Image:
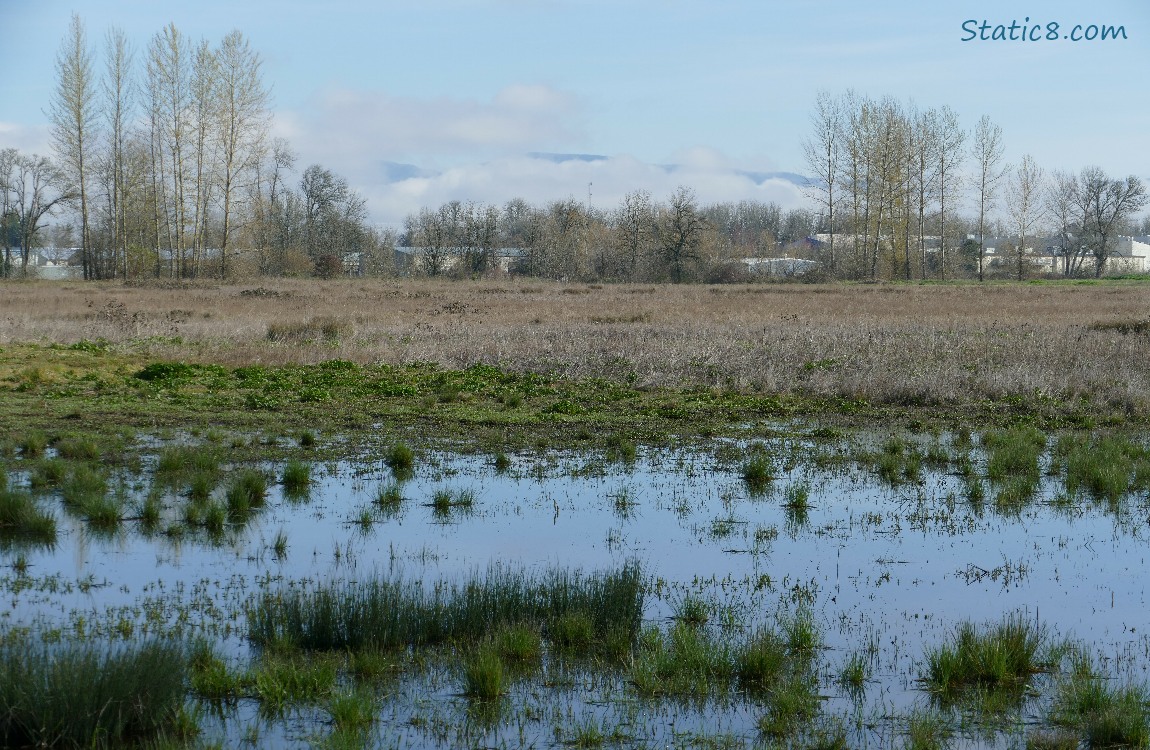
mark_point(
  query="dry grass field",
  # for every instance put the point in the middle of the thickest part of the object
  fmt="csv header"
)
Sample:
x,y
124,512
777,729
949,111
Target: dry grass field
x,y
886,343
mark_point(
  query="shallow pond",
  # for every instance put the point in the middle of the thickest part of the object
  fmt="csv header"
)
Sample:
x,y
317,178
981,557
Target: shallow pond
x,y
887,570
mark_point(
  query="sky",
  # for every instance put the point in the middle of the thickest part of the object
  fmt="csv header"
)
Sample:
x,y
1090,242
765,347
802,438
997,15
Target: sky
x,y
418,102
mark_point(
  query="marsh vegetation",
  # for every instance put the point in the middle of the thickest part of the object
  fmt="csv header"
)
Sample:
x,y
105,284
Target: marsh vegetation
x,y
351,552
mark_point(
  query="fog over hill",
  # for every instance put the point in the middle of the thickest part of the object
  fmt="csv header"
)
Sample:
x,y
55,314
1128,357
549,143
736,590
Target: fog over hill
x,y
396,189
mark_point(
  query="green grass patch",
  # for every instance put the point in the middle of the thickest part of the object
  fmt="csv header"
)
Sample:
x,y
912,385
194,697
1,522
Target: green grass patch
x,y
1013,452
392,613
22,519
1000,657
483,675
89,695
296,477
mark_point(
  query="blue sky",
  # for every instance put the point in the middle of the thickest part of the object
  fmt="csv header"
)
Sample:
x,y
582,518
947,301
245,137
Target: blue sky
x,y
467,90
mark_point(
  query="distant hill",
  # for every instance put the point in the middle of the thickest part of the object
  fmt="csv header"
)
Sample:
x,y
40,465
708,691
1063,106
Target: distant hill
x,y
398,172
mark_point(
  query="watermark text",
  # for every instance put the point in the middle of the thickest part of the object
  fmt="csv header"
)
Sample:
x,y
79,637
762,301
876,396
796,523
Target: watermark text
x,y
975,30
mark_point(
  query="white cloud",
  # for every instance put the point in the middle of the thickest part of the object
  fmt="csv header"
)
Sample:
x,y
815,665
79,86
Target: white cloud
x,y
474,150
343,128
30,140
540,180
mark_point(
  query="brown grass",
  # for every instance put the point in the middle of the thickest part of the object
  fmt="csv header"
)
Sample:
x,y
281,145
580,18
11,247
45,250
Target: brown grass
x,y
895,343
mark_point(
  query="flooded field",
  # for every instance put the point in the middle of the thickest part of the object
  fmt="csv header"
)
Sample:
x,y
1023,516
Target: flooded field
x,y
827,590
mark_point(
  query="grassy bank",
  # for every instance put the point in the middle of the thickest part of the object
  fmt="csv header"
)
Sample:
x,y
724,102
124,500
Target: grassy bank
x,y
536,358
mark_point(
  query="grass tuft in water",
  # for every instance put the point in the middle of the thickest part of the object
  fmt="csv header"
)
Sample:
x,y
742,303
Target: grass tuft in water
x,y
395,613
401,460
483,676
77,448
49,472
352,710
22,518
999,657
1013,452
518,644
296,477
686,661
927,729
247,490
89,696
1107,715
792,705
758,473
32,445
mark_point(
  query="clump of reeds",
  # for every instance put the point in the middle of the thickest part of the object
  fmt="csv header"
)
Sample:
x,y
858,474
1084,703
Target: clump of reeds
x,y
382,613
1000,657
352,710
685,661
32,445
247,490
322,328
898,461
89,696
49,472
927,729
1108,715
77,448
1013,452
21,516
619,448
296,477
401,460
758,473
1107,467
518,644
483,675
82,484
176,463
444,501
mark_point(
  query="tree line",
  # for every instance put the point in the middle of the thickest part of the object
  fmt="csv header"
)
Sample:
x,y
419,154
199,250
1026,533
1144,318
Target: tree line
x,y
164,159
890,180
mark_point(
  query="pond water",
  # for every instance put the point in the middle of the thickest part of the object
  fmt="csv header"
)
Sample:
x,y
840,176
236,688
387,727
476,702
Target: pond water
x,y
890,570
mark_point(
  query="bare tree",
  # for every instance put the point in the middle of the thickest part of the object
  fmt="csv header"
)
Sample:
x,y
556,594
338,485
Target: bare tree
x,y
170,103
8,221
119,108
74,115
37,189
632,234
428,235
204,128
987,153
244,122
679,230
823,153
950,139
1067,213
481,228
1105,205
1023,202
924,174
